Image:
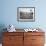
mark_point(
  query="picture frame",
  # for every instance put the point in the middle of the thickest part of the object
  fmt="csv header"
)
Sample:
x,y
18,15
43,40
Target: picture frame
x,y
26,14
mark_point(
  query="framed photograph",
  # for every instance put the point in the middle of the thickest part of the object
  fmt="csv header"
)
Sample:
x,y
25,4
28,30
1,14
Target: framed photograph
x,y
26,14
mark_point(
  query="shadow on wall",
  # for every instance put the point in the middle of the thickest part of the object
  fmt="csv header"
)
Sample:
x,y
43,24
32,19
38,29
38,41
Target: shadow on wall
x,y
2,26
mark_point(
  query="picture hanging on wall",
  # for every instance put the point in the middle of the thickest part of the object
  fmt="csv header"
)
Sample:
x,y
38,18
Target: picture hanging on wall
x,y
26,14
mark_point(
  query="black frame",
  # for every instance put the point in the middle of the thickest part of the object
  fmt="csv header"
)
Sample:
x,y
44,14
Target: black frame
x,y
25,20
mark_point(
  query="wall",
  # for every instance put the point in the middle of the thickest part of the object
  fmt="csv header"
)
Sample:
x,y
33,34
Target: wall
x,y
9,13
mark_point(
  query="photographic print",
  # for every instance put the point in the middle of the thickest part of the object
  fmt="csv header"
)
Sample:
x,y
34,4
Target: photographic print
x,y
26,14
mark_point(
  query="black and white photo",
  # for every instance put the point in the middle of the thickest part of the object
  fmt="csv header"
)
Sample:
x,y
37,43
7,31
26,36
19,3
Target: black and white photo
x,y
26,14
